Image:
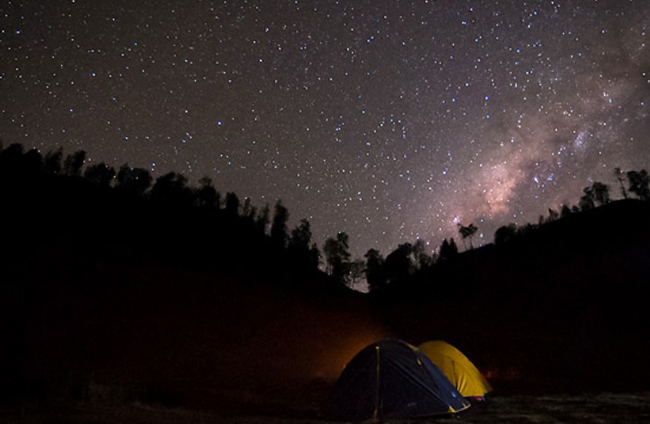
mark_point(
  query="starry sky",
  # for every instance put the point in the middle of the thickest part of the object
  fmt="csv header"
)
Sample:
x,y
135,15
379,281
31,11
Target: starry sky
x,y
389,120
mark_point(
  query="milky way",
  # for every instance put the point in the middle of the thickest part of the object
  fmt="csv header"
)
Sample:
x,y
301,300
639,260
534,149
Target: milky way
x,y
389,120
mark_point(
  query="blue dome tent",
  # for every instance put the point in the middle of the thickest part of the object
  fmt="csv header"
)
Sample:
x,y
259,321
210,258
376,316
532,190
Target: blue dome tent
x,y
393,379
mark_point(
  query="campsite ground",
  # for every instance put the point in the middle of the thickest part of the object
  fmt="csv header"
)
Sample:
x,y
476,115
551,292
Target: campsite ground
x,y
606,408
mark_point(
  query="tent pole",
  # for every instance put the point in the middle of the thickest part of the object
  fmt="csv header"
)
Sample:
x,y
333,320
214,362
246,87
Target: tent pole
x,y
375,414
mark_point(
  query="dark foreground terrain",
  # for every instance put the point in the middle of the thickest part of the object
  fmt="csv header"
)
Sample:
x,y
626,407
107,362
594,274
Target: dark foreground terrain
x,y
606,408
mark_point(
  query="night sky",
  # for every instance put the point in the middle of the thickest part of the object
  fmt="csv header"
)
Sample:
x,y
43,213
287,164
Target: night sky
x,y
389,120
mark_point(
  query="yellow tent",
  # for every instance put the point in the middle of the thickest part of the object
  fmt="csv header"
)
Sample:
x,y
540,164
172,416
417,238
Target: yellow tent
x,y
467,379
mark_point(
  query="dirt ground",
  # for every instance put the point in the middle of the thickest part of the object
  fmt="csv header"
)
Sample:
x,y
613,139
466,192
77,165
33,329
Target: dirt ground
x,y
606,408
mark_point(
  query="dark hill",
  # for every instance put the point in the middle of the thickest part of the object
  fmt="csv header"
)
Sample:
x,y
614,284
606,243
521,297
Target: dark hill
x,y
113,297
563,306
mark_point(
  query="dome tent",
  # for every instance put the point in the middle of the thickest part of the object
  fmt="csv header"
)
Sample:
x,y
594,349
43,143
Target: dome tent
x,y
393,379
462,373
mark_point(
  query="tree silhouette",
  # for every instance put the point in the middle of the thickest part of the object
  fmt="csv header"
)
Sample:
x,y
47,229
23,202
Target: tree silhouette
x,y
597,193
420,257
453,249
279,226
300,238
206,196
467,232
639,183
587,201
553,215
100,174
248,210
374,270
73,163
263,219
11,160
337,257
601,193
133,180
172,189
565,211
33,162
301,247
13,152
356,268
15,164
398,264
526,230
448,249
52,162
620,176
505,234
314,256
330,248
232,204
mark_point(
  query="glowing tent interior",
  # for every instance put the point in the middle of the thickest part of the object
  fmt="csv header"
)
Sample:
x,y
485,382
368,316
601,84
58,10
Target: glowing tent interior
x,y
460,371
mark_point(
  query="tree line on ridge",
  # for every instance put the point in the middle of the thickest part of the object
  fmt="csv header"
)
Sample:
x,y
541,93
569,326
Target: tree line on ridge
x,y
171,191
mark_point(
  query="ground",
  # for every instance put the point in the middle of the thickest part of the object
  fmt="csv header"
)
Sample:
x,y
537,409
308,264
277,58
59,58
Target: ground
x,y
605,408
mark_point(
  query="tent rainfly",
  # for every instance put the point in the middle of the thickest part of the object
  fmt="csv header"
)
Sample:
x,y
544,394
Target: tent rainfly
x,y
393,379
467,379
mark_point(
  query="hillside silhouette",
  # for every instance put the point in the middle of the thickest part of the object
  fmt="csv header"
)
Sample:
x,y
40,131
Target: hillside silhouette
x,y
112,295
116,288
562,306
